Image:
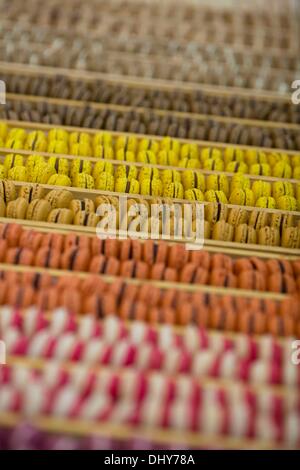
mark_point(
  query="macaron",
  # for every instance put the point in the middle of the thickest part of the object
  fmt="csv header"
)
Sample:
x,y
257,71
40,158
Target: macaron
x,y
193,274
160,272
222,278
48,299
60,216
173,190
7,191
215,211
249,264
281,326
201,258
75,259
222,231
251,322
130,310
155,252
282,283
258,219
11,233
134,269
31,239
220,261
151,187
237,216
47,258
2,207
131,249
280,265
215,196
268,236
20,296
53,240
59,198
75,240
32,192
21,256
87,219
38,209
17,209
103,265
177,256
222,319
251,280
59,180
86,205
245,234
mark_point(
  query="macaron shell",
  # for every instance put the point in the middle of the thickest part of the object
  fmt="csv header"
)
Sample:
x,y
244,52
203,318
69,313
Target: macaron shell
x,y
47,258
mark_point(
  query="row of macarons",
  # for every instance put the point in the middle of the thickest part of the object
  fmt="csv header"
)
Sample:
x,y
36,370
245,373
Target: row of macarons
x,y
137,220
198,408
125,352
165,151
111,329
143,122
144,259
147,181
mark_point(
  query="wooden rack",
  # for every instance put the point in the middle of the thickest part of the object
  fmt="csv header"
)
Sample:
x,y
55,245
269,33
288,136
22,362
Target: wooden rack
x,y
119,432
